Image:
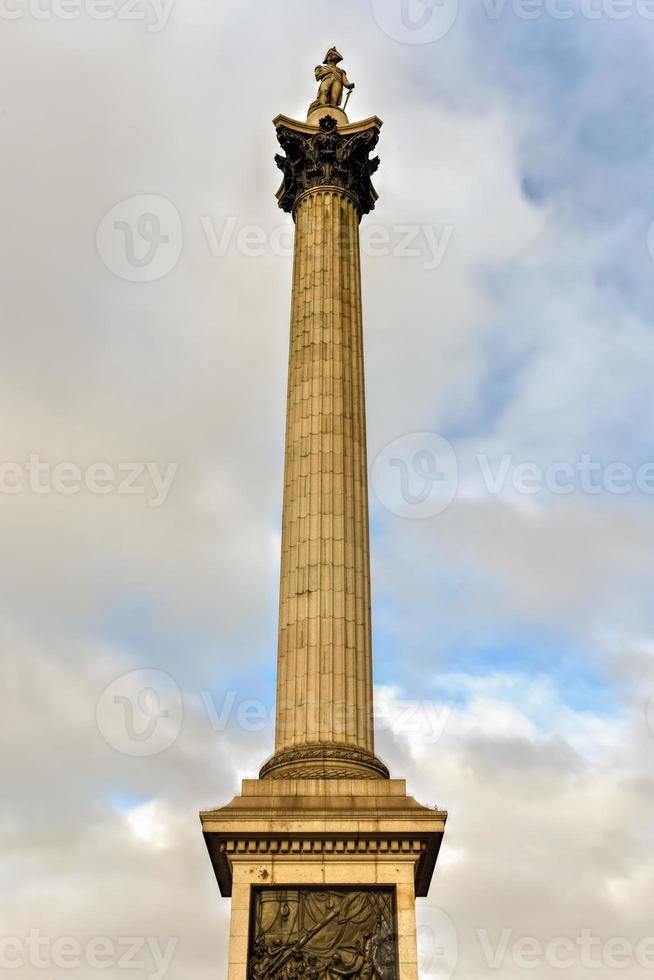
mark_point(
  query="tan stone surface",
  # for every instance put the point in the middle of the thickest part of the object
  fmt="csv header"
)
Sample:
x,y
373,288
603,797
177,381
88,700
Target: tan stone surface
x,y
324,685
249,873
315,115
360,126
325,822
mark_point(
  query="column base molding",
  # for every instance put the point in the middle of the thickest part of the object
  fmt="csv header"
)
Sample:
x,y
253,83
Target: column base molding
x,y
324,760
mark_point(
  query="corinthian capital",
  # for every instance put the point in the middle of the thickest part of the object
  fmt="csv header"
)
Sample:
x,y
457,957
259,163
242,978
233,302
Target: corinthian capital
x,y
327,155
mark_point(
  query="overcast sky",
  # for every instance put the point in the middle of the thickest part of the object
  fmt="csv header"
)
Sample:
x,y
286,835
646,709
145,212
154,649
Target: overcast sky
x,y
507,276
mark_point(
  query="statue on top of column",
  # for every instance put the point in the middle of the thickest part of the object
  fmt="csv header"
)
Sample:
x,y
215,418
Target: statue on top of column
x,y
332,81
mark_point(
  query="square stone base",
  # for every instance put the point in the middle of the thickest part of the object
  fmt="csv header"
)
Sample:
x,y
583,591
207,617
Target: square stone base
x,y
321,833
395,873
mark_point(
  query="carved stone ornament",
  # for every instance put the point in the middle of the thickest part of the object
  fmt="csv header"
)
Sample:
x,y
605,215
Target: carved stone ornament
x,y
326,760
322,934
327,158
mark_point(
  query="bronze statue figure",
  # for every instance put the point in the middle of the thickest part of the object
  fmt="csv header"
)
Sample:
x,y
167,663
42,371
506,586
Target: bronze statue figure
x,y
332,81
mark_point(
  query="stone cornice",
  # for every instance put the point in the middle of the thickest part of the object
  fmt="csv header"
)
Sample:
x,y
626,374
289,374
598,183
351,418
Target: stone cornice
x,y
333,820
226,847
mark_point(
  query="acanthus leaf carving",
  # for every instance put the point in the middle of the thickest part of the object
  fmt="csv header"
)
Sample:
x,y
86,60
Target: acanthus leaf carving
x,y
327,158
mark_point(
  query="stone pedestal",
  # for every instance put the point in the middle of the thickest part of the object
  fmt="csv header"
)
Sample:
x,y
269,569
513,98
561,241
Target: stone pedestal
x,y
331,840
317,112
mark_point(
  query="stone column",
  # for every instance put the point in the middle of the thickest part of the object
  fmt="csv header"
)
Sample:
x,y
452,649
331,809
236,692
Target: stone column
x,y
324,844
324,725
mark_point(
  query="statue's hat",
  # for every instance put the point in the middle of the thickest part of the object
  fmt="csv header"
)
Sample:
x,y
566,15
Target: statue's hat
x,y
333,55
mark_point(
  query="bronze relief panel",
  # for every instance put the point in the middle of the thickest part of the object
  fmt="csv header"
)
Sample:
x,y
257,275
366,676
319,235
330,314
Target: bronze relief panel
x,y
322,934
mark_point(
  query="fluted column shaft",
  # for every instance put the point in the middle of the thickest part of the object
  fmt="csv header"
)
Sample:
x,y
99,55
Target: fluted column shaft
x,y
324,689
324,725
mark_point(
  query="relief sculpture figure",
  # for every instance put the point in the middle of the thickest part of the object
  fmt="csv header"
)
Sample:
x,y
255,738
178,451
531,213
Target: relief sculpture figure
x,y
315,934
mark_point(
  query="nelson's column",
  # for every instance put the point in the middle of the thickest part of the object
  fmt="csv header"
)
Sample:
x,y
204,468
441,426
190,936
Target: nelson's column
x,y
323,855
